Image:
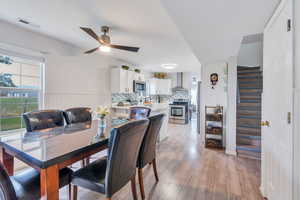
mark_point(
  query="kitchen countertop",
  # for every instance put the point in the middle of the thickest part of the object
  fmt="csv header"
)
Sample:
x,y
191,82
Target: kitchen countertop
x,y
154,107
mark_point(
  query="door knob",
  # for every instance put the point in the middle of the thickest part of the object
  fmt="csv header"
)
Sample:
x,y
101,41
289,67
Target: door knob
x,y
265,123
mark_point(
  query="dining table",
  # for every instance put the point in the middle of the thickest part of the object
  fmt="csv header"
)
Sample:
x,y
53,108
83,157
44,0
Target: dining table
x,y
52,149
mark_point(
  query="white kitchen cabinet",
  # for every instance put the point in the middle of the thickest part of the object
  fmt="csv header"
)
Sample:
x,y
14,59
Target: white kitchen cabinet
x,y
152,86
130,79
160,86
139,76
121,80
164,86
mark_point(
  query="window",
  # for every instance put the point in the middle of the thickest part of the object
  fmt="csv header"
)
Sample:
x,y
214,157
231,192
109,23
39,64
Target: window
x,y
20,90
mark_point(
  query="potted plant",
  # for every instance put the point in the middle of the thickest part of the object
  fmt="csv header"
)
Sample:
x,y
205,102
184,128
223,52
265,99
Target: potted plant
x,y
125,67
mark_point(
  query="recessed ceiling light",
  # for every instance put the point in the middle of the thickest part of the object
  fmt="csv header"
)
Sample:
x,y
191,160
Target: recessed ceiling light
x,y
169,66
104,48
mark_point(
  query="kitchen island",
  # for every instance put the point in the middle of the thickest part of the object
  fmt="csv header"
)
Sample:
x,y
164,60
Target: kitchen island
x,y
156,108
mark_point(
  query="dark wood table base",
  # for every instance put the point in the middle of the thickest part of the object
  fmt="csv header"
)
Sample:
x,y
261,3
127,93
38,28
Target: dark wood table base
x,y
49,176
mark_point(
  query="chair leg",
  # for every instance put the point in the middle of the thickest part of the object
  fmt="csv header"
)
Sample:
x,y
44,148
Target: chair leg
x,y
69,192
133,188
141,182
87,161
75,188
82,163
155,169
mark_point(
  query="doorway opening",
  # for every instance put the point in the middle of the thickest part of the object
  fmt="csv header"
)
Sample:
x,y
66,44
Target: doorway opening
x,y
249,92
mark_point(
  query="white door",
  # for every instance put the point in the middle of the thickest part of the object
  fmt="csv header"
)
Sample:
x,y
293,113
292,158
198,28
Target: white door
x,y
277,106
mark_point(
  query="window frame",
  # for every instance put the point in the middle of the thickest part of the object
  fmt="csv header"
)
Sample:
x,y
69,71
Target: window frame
x,y
41,89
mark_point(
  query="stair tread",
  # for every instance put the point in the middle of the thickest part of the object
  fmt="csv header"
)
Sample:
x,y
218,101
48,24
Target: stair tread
x,y
254,104
250,75
247,68
249,155
250,97
248,88
248,131
251,82
247,117
248,127
251,148
253,137
242,72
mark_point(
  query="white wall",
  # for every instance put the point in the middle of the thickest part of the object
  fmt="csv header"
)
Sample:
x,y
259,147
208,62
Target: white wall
x,y
251,54
209,96
78,81
187,79
231,106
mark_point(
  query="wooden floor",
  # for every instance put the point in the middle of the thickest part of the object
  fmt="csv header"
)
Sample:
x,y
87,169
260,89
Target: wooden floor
x,y
188,171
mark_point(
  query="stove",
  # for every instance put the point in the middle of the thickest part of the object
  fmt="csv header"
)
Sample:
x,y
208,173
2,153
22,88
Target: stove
x,y
179,111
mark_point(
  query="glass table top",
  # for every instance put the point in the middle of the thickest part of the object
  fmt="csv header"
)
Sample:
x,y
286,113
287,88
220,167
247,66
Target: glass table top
x,y
49,146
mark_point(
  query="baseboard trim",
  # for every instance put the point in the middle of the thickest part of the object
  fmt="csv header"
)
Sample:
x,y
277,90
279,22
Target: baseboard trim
x,y
262,191
231,152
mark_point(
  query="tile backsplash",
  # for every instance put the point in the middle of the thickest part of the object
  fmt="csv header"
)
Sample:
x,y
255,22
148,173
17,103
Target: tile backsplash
x,y
117,97
135,98
181,94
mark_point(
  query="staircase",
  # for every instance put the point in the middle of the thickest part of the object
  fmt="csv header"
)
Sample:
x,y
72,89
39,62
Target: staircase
x,y
249,112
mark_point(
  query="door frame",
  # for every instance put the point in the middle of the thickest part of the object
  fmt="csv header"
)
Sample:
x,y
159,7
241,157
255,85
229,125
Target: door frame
x,y
272,20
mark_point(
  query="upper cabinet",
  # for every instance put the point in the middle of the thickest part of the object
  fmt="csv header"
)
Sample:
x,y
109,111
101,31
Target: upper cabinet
x,y
160,86
122,80
139,76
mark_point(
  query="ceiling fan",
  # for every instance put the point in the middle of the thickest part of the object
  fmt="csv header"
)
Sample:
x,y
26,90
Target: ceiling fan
x,y
104,41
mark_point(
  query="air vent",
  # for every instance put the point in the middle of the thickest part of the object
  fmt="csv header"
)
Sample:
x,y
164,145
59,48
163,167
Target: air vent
x,y
23,21
27,22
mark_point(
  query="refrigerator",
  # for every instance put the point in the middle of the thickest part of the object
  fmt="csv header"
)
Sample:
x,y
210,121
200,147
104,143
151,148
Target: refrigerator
x,y
199,107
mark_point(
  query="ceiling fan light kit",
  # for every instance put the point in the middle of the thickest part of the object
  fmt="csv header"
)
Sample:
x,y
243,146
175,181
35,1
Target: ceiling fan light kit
x,y
104,48
105,42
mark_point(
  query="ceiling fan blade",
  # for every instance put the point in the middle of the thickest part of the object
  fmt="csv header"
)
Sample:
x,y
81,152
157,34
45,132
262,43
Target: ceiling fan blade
x,y
92,50
90,32
126,48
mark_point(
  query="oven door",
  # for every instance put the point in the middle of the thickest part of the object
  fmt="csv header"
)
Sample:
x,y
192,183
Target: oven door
x,y
177,112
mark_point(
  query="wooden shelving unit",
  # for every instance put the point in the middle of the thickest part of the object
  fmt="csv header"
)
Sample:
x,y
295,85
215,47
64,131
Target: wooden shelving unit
x,y
214,126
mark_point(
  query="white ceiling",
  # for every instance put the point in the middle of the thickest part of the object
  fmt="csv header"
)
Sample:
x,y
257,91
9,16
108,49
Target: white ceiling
x,y
141,23
214,29
168,31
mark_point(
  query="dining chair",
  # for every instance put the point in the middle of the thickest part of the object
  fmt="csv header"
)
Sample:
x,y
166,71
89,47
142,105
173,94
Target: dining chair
x,y
43,119
139,112
26,185
147,154
109,174
78,115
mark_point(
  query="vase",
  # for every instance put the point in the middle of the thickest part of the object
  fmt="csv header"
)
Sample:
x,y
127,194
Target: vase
x,y
102,122
101,127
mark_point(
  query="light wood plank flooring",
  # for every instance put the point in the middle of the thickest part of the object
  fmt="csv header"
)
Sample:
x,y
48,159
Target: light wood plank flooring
x,y
188,171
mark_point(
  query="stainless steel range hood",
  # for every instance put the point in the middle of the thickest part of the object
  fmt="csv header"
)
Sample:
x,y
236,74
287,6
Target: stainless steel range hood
x,y
179,85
